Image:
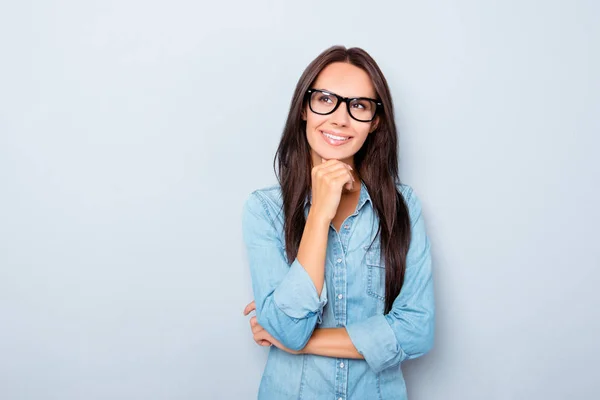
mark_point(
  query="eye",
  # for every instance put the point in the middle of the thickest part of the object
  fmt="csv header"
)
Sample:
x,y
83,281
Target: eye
x,y
325,98
361,104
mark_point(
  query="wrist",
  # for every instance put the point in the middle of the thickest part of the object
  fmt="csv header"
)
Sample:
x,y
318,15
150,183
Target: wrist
x,y
308,349
305,349
318,219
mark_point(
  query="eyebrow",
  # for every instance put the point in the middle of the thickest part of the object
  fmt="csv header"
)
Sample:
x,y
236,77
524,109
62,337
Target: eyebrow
x,y
350,97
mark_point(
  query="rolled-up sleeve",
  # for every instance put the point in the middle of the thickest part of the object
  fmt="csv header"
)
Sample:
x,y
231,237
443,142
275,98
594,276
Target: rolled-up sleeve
x,y
287,303
407,331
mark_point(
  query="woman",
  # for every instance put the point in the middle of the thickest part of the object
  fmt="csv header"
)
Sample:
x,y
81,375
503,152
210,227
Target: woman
x,y
339,257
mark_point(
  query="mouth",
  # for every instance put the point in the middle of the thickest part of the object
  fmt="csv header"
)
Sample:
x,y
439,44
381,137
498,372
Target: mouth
x,y
335,140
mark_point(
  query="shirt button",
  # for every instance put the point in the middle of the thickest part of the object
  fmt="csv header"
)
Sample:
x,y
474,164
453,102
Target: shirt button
x,y
340,296
347,226
339,260
341,365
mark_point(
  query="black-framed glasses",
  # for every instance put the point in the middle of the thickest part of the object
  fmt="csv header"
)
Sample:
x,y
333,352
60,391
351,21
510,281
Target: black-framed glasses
x,y
324,102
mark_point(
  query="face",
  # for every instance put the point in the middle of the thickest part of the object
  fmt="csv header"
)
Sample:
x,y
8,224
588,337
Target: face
x,y
345,80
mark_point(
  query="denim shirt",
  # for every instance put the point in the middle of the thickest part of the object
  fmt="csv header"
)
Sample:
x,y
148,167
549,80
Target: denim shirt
x,y
289,307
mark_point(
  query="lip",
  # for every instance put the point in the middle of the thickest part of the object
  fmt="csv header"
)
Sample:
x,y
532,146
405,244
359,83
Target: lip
x,y
333,142
335,133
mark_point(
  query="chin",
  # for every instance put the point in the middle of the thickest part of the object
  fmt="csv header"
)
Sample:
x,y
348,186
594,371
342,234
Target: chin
x,y
323,150
331,153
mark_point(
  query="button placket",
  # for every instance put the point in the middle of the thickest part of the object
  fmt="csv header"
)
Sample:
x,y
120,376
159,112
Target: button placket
x,y
340,278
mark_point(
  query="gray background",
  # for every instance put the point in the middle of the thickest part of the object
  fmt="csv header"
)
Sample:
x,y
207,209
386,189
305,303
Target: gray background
x,y
131,132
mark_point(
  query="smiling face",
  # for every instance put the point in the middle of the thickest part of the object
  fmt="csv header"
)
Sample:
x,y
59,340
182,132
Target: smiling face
x,y
345,80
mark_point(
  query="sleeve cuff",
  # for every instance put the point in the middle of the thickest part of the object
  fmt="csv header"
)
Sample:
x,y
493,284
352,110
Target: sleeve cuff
x,y
376,341
297,296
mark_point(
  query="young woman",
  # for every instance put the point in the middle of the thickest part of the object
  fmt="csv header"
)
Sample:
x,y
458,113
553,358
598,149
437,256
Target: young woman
x,y
339,257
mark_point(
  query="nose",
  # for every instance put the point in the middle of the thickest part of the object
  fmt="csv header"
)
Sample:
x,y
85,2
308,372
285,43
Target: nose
x,y
341,117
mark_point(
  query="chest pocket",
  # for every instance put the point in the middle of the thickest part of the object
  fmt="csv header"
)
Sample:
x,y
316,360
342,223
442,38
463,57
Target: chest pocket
x,y
375,273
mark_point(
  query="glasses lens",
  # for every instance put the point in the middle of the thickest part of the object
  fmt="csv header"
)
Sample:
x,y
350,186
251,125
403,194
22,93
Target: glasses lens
x,y
363,109
322,102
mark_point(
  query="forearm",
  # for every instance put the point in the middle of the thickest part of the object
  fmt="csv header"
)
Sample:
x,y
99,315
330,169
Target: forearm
x,y
313,248
331,342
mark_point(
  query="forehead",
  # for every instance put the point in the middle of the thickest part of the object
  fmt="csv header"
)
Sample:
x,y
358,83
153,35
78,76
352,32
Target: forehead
x,y
346,80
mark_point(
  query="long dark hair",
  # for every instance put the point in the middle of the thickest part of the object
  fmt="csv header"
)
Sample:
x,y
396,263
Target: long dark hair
x,y
376,164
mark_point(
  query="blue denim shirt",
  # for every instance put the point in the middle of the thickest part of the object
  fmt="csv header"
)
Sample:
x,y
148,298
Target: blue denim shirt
x,y
288,307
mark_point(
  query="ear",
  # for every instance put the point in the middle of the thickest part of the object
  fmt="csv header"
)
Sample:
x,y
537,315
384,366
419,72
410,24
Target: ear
x,y
374,124
303,114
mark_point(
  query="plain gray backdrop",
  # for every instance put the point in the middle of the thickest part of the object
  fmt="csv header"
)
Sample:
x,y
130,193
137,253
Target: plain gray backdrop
x,y
131,133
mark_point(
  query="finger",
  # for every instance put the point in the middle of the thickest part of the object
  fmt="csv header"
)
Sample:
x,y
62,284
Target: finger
x,y
338,179
260,336
326,163
347,184
336,166
251,306
341,176
335,162
263,342
343,167
331,161
257,328
325,169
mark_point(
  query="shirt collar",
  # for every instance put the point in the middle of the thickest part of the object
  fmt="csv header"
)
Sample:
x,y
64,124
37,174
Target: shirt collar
x,y
362,199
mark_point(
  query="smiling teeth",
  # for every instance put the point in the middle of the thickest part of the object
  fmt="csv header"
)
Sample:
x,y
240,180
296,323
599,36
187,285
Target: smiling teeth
x,y
335,137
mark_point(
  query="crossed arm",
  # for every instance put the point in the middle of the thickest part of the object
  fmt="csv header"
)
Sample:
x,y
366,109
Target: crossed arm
x,y
328,342
288,306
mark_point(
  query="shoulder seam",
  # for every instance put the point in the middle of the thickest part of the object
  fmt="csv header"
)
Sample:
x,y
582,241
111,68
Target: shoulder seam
x,y
264,205
409,191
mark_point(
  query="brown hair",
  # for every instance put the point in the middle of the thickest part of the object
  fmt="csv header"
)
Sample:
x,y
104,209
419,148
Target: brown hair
x,y
376,164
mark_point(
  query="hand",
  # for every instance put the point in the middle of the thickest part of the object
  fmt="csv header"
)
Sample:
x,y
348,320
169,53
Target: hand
x,y
253,324
328,181
261,336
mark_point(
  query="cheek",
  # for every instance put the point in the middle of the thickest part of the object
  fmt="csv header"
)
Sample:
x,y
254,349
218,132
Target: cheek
x,y
313,122
361,130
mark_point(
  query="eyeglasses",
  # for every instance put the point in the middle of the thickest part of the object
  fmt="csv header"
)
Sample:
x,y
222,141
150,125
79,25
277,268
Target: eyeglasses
x,y
362,109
